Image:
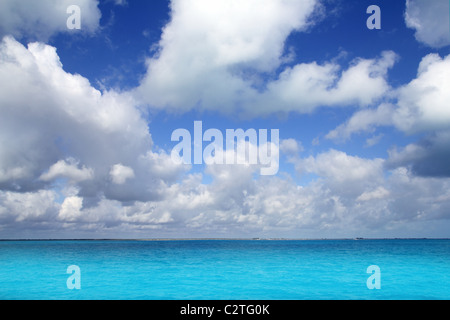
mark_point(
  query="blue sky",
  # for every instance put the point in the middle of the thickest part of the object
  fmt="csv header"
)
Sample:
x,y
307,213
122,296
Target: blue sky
x,y
115,58
87,117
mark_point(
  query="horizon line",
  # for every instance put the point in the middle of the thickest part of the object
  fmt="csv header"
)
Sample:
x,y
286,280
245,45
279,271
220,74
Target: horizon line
x,y
219,239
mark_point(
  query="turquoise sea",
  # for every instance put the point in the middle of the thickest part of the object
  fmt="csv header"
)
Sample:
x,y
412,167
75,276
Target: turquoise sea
x,y
225,269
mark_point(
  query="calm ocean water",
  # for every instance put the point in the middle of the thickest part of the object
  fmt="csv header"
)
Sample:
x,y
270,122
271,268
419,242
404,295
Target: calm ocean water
x,y
225,269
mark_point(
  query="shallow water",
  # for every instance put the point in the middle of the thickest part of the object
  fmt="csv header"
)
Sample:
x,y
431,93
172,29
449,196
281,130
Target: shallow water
x,y
225,269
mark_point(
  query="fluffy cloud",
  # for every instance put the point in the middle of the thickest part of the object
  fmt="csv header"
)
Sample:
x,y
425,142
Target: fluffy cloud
x,y
339,167
120,173
208,44
290,147
305,87
423,103
56,125
224,56
365,120
421,106
378,193
430,19
351,196
67,170
38,20
37,207
71,209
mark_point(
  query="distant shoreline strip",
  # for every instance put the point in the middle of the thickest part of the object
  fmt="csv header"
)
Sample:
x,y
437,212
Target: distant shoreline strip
x,y
226,239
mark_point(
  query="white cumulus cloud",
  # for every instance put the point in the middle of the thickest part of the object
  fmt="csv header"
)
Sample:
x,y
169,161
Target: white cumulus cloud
x,y
421,105
69,129
217,55
39,20
430,19
67,170
120,173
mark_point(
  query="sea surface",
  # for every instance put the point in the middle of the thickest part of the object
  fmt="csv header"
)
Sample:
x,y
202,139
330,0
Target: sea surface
x,y
225,269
